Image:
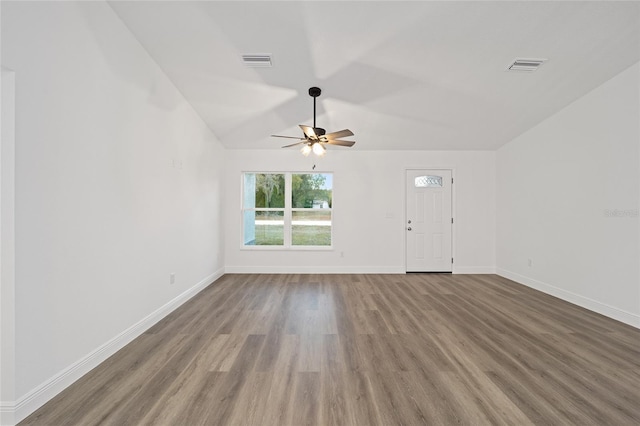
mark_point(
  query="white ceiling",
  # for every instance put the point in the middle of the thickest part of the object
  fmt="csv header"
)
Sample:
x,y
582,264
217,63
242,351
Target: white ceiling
x,y
400,75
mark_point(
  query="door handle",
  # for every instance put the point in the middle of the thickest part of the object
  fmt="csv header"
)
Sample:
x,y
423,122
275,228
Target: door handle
x,y
409,229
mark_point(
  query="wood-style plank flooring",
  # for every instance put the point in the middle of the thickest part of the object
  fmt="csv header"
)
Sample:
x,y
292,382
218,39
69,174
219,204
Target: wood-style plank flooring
x,y
365,350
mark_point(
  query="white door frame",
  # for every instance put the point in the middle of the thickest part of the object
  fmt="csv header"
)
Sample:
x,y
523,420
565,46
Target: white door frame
x,y
453,210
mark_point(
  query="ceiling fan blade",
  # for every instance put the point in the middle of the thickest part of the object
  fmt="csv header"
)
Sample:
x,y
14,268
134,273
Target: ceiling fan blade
x,y
339,134
288,137
340,143
294,144
308,131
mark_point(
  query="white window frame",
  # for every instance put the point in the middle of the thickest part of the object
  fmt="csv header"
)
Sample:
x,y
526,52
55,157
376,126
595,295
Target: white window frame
x,y
288,213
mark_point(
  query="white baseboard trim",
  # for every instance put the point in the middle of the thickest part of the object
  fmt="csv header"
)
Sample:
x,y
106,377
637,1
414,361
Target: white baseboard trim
x,y
37,397
344,270
314,269
474,270
584,302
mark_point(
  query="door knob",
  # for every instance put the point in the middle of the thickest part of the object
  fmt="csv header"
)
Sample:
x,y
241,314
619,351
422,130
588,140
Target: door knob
x,y
409,229
409,221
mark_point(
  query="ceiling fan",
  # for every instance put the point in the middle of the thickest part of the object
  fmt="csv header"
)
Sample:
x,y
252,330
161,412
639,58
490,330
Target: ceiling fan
x,y
316,137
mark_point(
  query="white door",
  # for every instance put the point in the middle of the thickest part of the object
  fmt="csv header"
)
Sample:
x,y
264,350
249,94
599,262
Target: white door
x,y
429,221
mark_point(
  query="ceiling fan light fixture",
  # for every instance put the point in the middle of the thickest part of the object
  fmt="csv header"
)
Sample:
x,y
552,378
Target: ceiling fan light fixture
x,y
318,149
306,150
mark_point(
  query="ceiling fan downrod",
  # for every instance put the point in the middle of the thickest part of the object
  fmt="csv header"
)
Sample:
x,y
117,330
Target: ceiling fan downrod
x,y
314,92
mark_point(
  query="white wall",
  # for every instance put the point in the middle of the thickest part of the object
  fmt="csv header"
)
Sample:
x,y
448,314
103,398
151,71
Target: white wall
x,y
118,184
555,184
368,186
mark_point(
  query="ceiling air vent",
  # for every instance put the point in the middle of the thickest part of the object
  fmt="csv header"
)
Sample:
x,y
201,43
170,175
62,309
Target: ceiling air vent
x,y
526,64
261,60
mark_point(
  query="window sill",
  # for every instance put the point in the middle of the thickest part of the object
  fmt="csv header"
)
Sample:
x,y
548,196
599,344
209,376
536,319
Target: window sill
x,y
287,248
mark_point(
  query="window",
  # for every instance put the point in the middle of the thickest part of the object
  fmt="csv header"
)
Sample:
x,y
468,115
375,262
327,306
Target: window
x,y
287,209
263,209
428,182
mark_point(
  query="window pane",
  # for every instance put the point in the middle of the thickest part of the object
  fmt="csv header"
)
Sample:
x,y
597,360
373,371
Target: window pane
x,y
263,228
428,182
263,190
311,191
311,228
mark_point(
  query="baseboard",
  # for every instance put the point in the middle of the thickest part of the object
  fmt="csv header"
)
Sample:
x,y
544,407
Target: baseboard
x,y
314,269
474,269
344,270
584,302
34,399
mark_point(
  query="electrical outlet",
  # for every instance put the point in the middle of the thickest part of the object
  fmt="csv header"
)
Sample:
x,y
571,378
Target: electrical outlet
x,y
530,263
172,278
341,254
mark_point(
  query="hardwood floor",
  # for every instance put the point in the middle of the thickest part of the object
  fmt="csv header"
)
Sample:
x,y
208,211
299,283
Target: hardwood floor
x,y
365,350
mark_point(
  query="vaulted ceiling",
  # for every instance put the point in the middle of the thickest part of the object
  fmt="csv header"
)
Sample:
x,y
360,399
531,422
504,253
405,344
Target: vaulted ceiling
x,y
401,75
